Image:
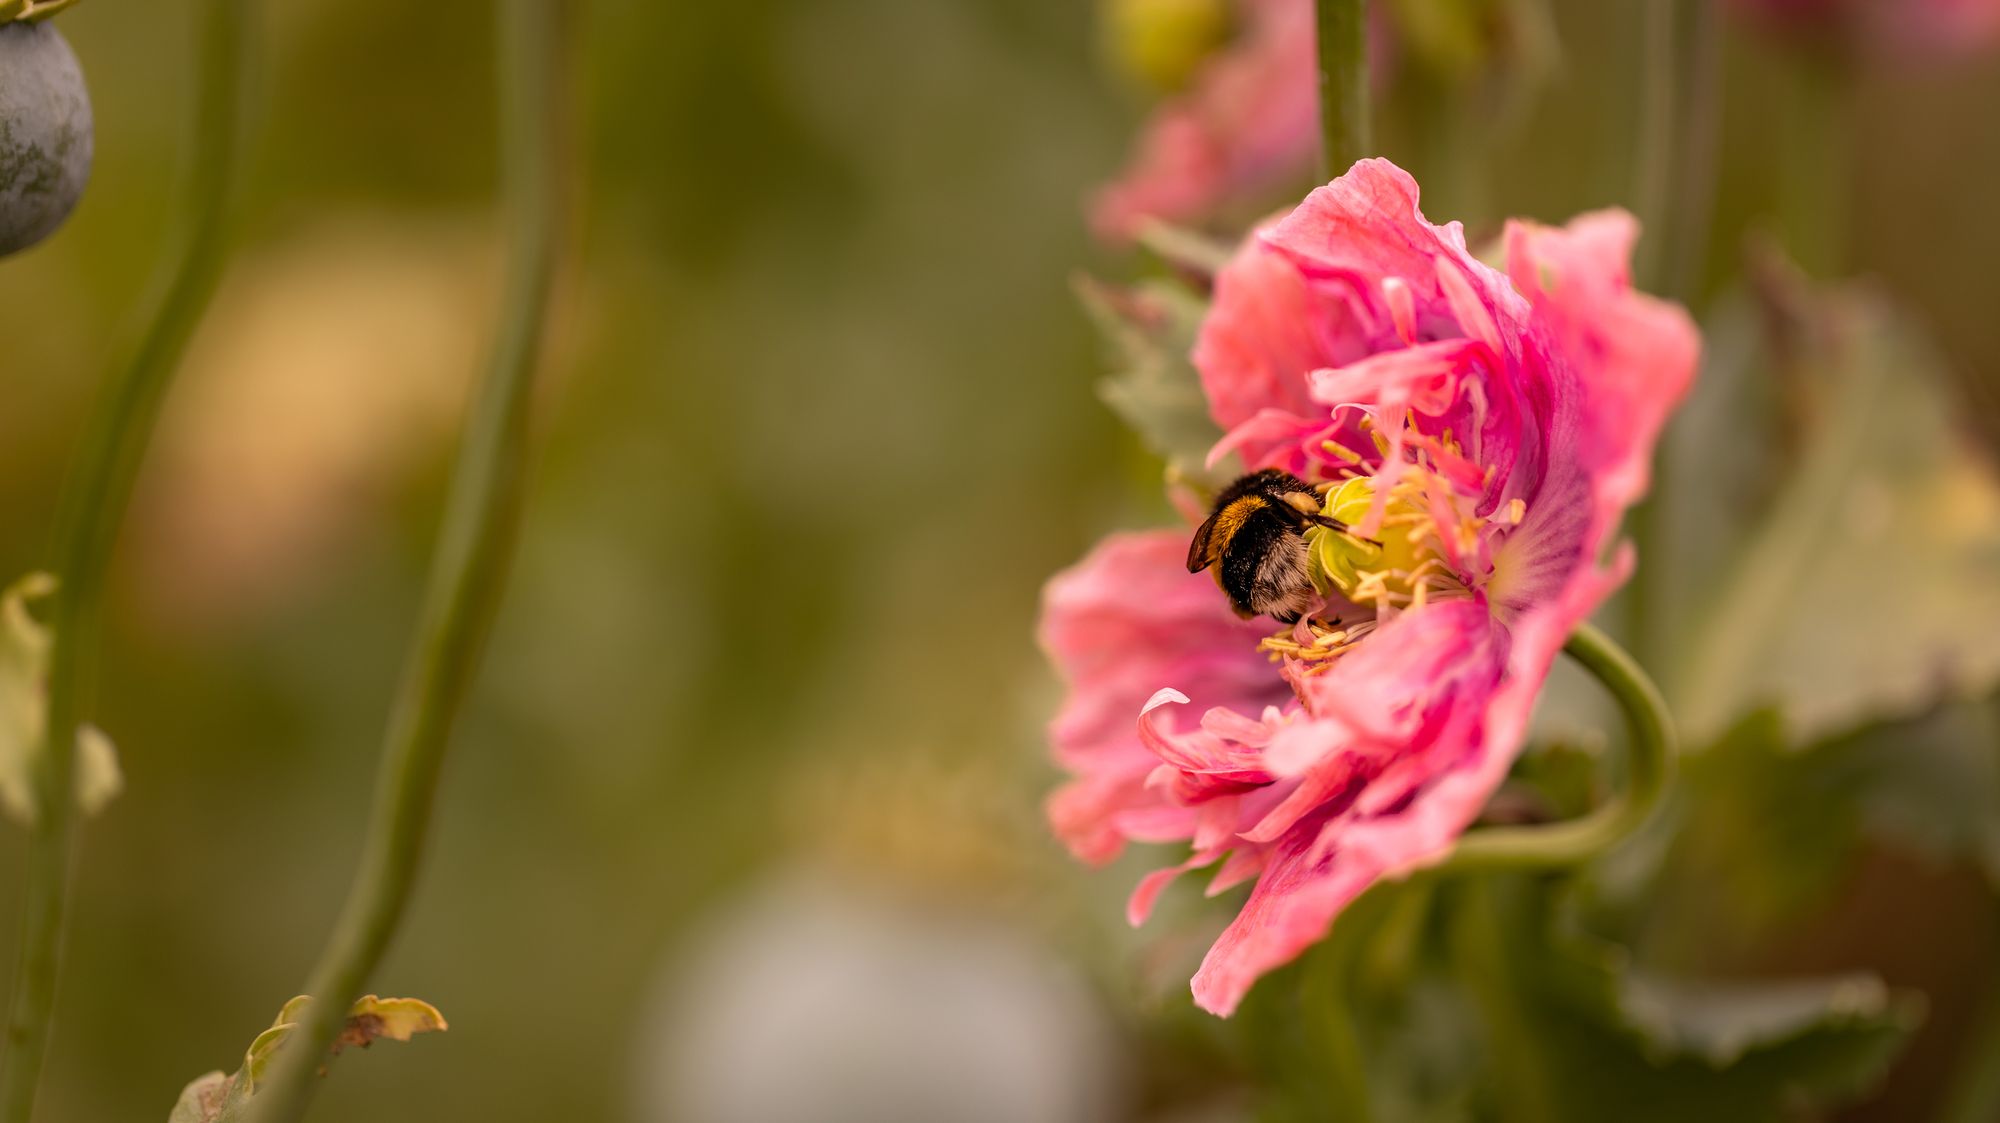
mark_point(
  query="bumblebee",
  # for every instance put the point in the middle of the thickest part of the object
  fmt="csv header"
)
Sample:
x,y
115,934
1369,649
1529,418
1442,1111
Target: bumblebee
x,y
1254,540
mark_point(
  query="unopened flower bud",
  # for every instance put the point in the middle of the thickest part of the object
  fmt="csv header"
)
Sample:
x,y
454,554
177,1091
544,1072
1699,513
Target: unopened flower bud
x,y
1161,43
45,133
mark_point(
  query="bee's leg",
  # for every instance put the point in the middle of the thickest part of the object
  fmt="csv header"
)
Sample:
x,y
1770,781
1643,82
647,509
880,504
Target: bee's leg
x,y
1332,523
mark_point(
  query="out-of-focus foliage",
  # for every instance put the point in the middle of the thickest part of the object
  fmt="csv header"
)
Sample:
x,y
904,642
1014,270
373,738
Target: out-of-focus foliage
x,y
1865,587
24,662
823,420
218,1098
1153,386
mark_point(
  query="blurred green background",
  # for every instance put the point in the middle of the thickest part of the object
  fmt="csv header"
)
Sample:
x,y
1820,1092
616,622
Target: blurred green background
x,y
821,420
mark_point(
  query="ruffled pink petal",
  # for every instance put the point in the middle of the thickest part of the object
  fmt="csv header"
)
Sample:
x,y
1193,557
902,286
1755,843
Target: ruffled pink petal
x,y
1547,385
1407,785
1634,353
1124,622
1381,795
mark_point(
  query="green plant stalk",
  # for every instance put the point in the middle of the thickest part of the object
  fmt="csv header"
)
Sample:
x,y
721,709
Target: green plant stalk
x,y
1484,945
1972,1093
93,507
1699,139
469,570
1560,845
1654,166
1343,1066
1674,196
1343,84
1817,162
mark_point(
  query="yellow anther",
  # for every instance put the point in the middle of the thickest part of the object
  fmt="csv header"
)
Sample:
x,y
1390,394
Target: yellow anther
x,y
1342,451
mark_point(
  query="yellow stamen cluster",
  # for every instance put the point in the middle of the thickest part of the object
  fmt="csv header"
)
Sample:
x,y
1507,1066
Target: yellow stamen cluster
x,y
1401,566
1315,643
1402,563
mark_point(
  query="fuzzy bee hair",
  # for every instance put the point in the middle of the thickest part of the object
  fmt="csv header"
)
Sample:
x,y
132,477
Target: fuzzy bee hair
x,y
1254,542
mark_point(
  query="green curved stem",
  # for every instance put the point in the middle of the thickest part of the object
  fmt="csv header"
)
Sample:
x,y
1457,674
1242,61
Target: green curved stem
x,y
1558,845
92,510
1343,84
470,568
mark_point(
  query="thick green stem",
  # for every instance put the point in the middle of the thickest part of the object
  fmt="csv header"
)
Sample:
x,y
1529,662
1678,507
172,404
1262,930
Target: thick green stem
x,y
1558,845
1343,84
473,552
92,510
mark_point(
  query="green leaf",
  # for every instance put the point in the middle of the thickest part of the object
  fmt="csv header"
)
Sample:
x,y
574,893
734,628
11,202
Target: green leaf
x,y
24,670
1870,586
1149,331
204,1099
1578,1033
1758,842
1930,786
215,1098
1721,1023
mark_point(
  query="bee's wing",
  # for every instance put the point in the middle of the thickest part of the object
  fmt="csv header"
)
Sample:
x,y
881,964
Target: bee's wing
x,y
1203,551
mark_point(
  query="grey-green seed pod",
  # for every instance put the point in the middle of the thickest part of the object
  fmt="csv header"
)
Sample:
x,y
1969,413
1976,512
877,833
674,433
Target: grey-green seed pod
x,y
45,133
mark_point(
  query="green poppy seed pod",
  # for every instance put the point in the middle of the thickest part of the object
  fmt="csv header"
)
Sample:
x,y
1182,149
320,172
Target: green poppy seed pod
x,y
45,133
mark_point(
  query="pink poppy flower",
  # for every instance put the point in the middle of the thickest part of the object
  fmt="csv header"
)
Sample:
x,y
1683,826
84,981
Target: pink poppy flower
x,y
1486,431
1247,125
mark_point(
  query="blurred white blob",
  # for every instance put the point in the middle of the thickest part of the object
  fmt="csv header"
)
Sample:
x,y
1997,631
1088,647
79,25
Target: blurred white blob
x,y
818,1000
328,368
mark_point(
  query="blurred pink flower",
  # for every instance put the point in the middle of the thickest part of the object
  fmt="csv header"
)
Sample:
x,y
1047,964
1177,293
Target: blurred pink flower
x,y
1494,427
1924,26
1247,124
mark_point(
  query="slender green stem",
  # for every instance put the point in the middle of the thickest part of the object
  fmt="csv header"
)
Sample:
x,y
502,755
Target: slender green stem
x,y
1816,164
1558,845
474,547
1674,195
1342,1068
92,510
1653,169
1485,943
1693,205
1973,1094
1343,84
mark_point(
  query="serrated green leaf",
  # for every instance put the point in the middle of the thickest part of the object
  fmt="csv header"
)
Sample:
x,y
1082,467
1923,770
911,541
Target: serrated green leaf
x,y
1579,1034
1930,786
1720,1023
1149,331
1870,588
